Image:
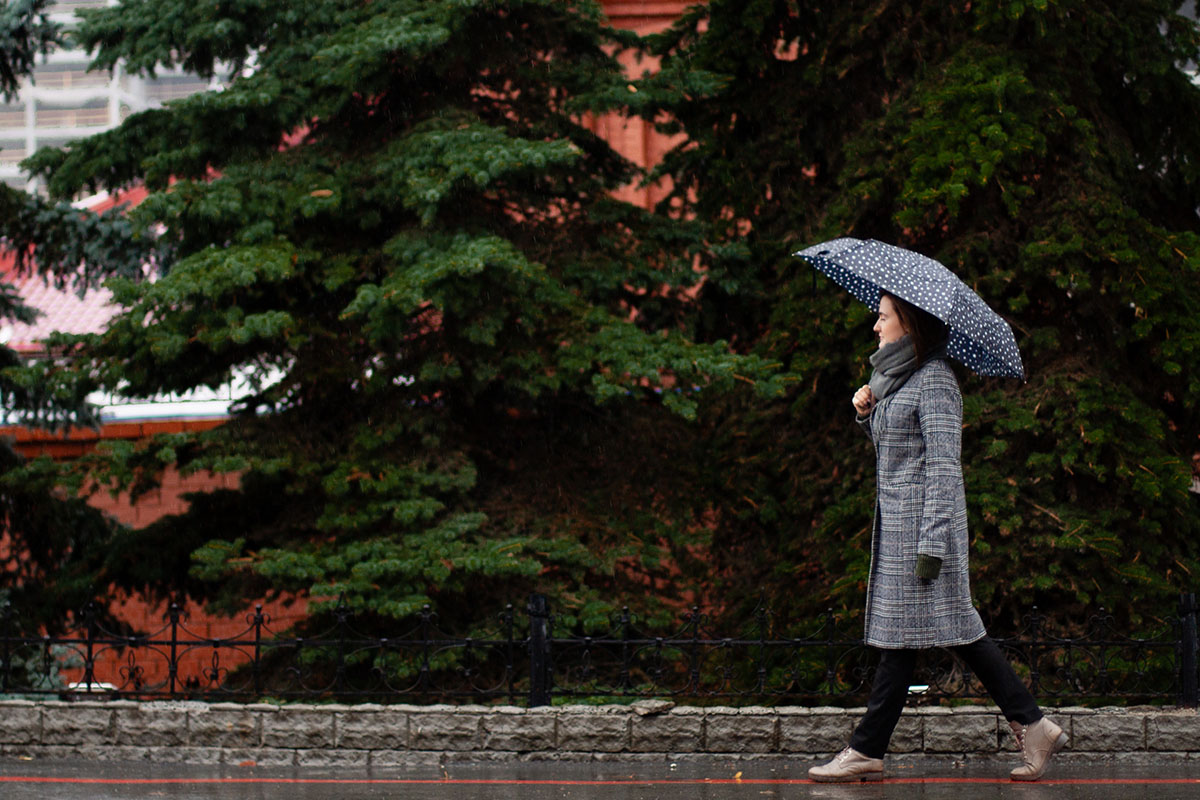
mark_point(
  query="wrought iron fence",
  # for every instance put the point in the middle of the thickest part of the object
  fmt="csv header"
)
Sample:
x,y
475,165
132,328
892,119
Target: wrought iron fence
x,y
523,659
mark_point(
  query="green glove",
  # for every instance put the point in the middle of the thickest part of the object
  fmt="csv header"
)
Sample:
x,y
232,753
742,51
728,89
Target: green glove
x,y
928,567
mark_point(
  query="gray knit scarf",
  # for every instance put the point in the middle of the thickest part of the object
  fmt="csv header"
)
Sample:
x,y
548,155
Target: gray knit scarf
x,y
894,363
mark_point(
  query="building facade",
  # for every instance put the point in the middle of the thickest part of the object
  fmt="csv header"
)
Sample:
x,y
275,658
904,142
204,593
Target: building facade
x,y
63,101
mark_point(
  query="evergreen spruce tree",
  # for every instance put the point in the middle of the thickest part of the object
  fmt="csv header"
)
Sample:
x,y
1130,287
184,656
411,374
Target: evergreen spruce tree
x,y
468,380
1047,151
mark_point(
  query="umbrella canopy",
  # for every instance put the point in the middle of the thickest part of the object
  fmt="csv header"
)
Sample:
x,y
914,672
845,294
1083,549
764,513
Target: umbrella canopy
x,y
979,337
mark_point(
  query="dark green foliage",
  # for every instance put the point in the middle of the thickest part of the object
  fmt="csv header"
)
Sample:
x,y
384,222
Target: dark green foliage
x,y
73,248
1047,152
25,31
394,227
57,549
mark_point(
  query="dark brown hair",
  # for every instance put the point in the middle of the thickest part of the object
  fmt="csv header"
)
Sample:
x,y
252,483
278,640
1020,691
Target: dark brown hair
x,y
925,330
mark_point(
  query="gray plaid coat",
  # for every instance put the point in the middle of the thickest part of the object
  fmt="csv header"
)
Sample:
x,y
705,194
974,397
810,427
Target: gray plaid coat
x,y
920,508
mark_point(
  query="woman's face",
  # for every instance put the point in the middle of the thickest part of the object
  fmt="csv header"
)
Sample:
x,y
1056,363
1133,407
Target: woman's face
x,y
888,327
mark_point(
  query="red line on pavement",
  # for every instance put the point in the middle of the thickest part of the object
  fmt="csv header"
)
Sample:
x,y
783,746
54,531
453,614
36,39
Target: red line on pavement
x,y
555,782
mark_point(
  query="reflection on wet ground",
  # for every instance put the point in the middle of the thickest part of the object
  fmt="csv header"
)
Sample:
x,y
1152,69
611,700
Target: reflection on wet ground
x,y
697,779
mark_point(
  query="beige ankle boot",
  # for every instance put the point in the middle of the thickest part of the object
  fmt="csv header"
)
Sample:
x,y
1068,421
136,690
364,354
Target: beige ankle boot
x,y
1038,742
848,765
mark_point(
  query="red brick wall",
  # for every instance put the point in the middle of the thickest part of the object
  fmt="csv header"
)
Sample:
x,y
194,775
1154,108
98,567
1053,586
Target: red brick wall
x,y
636,139
159,503
196,661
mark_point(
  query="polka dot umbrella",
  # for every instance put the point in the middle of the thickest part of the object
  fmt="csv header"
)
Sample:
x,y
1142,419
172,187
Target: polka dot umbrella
x,y
979,337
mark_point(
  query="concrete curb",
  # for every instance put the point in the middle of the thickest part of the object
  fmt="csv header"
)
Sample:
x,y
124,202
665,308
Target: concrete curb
x,y
651,731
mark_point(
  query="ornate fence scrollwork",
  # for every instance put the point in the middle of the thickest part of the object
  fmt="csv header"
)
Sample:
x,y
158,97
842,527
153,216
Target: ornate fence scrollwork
x,y
532,658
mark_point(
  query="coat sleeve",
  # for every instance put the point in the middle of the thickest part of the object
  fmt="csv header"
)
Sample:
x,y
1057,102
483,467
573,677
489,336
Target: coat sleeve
x,y
940,417
864,423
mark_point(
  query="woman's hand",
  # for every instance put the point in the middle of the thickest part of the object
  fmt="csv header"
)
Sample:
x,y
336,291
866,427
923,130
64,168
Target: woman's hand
x,y
864,401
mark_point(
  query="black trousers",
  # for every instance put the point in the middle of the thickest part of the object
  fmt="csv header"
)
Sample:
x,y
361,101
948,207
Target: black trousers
x,y
890,691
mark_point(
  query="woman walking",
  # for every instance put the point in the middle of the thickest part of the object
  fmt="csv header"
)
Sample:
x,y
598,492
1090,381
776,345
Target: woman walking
x,y
918,591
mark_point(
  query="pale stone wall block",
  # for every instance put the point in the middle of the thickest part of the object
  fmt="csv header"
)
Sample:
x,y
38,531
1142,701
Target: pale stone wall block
x,y
65,725
407,759
20,725
151,727
518,733
224,728
184,755
667,733
333,758
732,733
297,728
1112,733
605,733
909,736
259,756
816,734
961,733
380,730
1173,732
443,731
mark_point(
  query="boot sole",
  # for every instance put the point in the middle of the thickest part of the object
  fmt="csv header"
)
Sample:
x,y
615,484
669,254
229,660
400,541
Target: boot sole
x,y
861,777
1058,745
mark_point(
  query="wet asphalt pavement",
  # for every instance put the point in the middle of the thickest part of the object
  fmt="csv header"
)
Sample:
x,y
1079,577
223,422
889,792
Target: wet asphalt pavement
x,y
699,780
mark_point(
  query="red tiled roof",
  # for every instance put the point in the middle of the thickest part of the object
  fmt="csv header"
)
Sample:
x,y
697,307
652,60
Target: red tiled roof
x,y
63,311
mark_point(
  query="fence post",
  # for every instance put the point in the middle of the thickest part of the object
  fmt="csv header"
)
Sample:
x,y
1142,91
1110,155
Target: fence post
x,y
173,614
341,613
1035,675
257,664
89,662
539,650
6,659
830,628
509,651
1187,650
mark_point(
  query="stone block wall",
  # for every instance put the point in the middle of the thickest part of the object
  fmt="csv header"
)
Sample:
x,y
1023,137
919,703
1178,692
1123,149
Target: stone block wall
x,y
394,735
